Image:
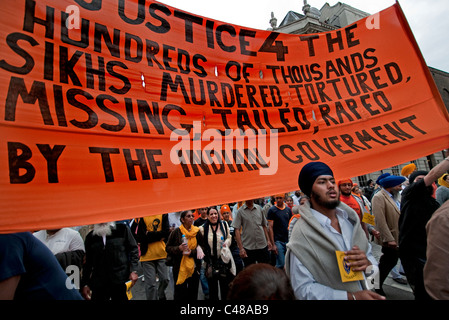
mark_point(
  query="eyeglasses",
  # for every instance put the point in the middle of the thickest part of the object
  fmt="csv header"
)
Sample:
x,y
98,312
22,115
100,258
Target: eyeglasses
x,y
189,216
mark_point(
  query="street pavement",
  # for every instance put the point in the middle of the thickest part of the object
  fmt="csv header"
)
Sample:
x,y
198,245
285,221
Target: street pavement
x,y
392,289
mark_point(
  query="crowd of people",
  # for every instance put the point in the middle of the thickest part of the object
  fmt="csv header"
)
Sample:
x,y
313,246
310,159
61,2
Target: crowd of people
x,y
285,246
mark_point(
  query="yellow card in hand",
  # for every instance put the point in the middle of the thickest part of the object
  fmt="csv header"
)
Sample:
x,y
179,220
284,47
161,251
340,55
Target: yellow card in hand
x,y
345,271
369,218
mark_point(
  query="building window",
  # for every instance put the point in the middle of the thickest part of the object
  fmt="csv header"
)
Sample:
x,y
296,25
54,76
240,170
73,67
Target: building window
x,y
395,171
363,181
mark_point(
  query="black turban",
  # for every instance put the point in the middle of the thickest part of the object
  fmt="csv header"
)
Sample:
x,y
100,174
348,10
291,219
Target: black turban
x,y
413,176
309,173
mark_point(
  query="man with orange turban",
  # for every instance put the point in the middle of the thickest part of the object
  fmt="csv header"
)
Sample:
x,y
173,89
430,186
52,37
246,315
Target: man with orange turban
x,y
347,197
408,170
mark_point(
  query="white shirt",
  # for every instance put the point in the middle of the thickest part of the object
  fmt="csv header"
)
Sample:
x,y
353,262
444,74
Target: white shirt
x,y
174,219
303,283
295,200
63,240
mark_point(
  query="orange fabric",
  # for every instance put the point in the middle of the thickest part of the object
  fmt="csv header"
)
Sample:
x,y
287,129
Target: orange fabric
x,y
117,117
408,169
340,182
352,202
196,214
225,208
295,216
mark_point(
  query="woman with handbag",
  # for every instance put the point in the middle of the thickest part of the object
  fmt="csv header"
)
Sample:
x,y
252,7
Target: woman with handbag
x,y
220,269
185,257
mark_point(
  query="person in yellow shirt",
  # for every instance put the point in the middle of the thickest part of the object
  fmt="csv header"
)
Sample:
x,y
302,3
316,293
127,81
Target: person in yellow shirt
x,y
152,233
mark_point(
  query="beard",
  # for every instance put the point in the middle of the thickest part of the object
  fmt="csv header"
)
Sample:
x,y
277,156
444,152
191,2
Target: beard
x,y
396,195
330,204
103,229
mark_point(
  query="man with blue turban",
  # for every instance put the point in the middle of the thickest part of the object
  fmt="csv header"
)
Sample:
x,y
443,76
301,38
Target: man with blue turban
x,y
326,226
386,209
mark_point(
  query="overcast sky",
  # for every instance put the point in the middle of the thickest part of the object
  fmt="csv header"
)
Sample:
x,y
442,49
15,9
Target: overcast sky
x,y
429,20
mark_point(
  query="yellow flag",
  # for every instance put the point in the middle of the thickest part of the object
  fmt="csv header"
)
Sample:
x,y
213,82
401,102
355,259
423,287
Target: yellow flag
x,y
128,290
369,218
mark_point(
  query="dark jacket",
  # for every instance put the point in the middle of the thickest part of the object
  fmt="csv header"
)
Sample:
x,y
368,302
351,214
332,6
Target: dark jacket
x,y
417,207
111,263
69,258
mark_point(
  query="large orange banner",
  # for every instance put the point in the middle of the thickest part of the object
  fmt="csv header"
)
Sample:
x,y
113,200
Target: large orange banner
x,y
112,110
